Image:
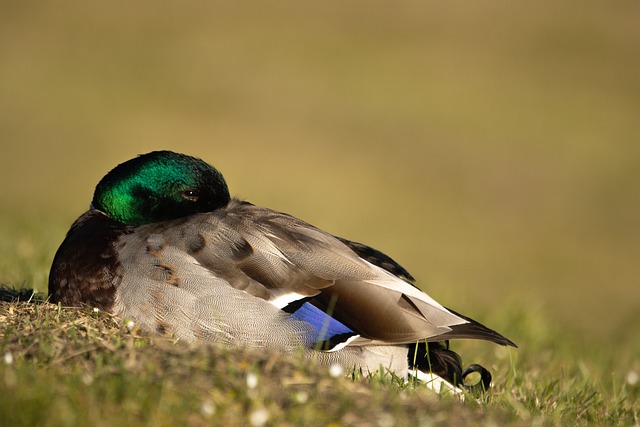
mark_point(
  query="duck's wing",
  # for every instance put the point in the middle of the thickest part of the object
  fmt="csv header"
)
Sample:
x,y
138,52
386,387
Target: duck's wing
x,y
312,275
472,329
378,259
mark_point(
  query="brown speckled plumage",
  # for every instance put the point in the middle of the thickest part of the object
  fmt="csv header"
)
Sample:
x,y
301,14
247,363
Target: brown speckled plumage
x,y
86,269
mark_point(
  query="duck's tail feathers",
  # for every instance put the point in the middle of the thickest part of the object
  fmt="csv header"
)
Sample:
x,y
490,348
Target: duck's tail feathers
x,y
429,359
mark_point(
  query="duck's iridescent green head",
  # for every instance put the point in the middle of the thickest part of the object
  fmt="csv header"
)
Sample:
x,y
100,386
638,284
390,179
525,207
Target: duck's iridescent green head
x,y
160,186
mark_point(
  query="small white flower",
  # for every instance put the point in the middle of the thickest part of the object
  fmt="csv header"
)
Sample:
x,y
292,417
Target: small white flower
x,y
302,397
87,379
386,420
131,324
208,408
336,370
96,309
633,378
259,417
252,380
8,358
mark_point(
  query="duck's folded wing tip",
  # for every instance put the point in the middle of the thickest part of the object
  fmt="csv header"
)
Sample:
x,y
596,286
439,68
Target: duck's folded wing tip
x,y
475,330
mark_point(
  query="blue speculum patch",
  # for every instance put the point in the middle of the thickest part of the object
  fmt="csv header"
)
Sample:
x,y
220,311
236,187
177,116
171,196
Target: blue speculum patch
x,y
327,330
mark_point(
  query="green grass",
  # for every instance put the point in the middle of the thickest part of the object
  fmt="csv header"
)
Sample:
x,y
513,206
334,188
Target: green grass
x,y
65,366
491,148
69,367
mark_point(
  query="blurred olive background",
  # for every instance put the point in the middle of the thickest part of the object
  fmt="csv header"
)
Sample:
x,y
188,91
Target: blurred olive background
x,y
490,147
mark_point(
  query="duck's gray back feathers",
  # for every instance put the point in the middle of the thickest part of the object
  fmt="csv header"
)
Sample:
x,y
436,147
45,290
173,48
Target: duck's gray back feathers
x,y
228,273
167,292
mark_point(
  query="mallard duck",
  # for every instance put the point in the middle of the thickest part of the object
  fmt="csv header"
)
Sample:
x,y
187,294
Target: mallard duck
x,y
166,246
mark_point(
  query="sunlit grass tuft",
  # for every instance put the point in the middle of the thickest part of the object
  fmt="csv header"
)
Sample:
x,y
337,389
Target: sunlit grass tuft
x,y
78,367
63,366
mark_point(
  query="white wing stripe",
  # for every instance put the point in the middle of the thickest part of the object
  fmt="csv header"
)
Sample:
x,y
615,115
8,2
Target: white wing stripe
x,y
284,298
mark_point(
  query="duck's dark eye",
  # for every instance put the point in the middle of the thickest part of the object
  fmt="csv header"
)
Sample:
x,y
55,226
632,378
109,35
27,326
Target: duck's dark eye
x,y
191,195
